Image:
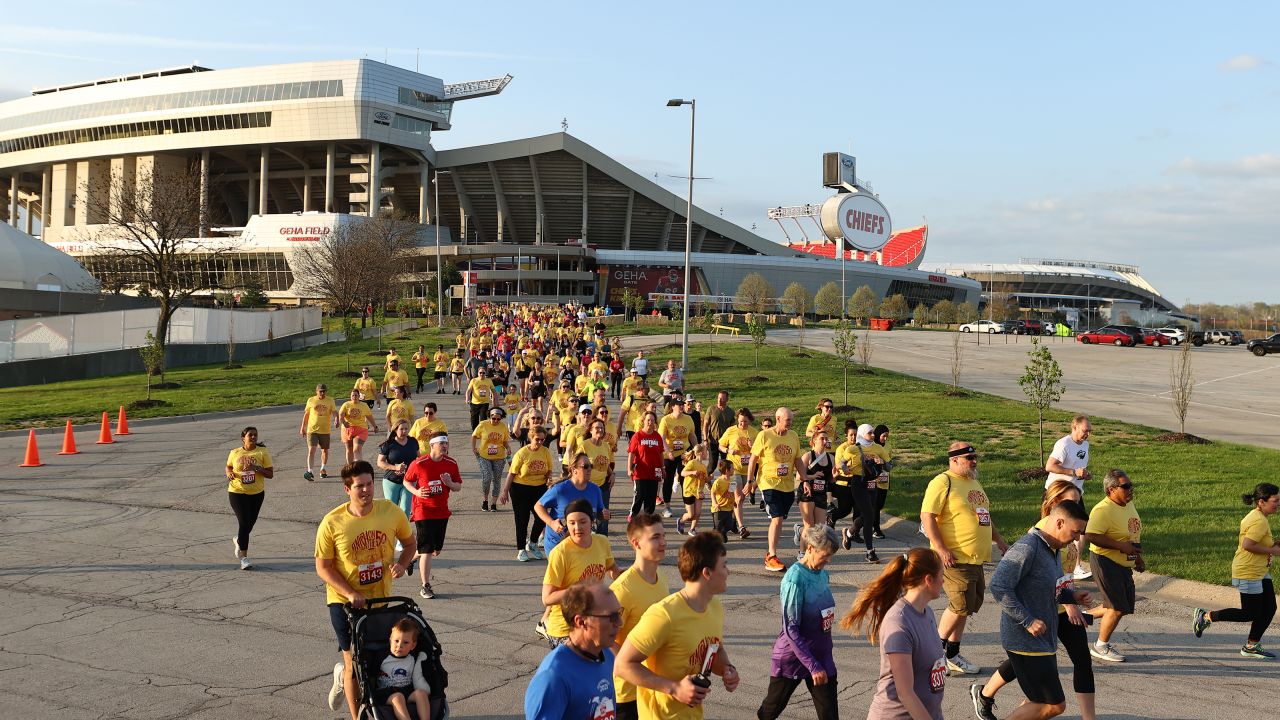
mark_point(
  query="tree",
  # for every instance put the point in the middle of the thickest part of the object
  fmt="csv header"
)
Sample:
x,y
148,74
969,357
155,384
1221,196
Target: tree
x,y
862,304
756,329
895,308
360,262
920,316
350,336
864,349
152,359
796,299
845,340
957,361
1042,383
966,312
708,320
754,294
231,342
148,223
1181,383
828,301
945,311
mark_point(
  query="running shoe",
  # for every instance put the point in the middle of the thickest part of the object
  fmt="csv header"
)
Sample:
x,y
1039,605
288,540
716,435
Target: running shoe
x,y
877,534
541,631
796,529
846,540
1256,652
426,591
245,564
959,666
484,506
1201,622
744,533
324,473
692,532
1082,573
335,690
308,476
857,537
680,526
523,556
666,512
773,564
538,554
983,706
628,518
872,557
1105,652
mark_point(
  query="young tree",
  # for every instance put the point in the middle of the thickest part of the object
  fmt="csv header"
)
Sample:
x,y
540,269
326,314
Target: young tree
x,y
920,316
231,342
350,336
754,294
862,304
827,301
966,312
152,359
756,329
1181,383
845,340
1042,383
945,311
360,262
708,320
864,349
895,308
796,299
957,361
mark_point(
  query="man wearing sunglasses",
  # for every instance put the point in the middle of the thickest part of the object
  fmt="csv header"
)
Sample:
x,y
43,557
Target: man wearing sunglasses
x,y
1114,533
575,680
956,517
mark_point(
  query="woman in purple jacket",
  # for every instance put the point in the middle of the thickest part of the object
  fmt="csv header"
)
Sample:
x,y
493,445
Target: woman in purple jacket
x,y
803,649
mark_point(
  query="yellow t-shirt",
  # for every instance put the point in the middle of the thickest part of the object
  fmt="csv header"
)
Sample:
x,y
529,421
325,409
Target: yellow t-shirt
x,y
964,516
600,455
363,548
847,454
480,391
633,406
531,467
675,639
611,435
441,359
739,443
398,410
883,452
635,595
597,366
368,388
816,422
492,439
423,429
629,383
1249,565
457,365
691,485
420,360
568,564
320,415
460,340
721,498
1115,523
246,481
511,401
391,356
570,437
565,403
677,433
776,456
395,379
355,414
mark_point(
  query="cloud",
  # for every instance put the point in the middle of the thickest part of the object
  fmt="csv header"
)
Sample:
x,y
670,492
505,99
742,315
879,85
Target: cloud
x,y
61,56
1250,167
1243,62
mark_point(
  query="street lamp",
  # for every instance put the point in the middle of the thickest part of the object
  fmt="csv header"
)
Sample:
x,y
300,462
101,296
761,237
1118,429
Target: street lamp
x,y
688,231
439,261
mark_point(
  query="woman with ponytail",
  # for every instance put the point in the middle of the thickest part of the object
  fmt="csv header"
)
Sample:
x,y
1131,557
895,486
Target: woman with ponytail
x,y
894,608
1251,573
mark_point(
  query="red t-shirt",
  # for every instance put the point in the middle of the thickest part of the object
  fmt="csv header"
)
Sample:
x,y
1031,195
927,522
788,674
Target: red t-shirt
x,y
615,365
424,474
647,449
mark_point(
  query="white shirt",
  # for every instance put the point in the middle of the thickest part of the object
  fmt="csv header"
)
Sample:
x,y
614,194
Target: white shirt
x,y
403,672
641,365
1071,455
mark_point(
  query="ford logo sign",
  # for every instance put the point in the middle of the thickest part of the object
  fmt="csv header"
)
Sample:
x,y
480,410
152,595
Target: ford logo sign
x,y
846,161
382,117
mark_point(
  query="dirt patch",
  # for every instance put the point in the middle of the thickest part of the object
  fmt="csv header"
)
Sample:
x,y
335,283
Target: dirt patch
x,y
166,386
801,354
1187,438
347,374
956,393
403,337
1032,474
271,355
377,353
711,358
144,404
232,366
757,378
864,371
847,409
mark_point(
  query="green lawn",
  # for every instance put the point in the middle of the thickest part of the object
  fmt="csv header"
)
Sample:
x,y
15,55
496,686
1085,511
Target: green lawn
x,y
287,379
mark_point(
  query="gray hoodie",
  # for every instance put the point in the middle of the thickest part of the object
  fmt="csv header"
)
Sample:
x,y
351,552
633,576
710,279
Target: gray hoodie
x,y
1025,584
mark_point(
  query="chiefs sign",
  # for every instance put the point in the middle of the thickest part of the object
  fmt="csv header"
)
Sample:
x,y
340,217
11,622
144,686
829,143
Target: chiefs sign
x,y
860,218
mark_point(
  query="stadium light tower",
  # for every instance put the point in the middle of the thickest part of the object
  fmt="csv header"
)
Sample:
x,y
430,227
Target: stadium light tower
x,y
688,231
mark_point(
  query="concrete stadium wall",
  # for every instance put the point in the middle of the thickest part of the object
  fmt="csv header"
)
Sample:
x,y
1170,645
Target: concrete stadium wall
x,y
16,303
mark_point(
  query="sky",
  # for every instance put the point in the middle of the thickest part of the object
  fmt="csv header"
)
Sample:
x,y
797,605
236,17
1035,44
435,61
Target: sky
x,y
1139,132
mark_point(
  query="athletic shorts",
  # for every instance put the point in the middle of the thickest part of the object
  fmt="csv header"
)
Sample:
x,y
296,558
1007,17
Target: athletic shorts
x,y
522,374
1038,677
777,503
690,500
455,375
354,432
818,499
439,374
369,403
430,534
1115,582
341,628
965,586
382,696
320,440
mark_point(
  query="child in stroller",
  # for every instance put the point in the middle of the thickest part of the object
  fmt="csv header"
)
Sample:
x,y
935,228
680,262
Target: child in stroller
x,y
378,640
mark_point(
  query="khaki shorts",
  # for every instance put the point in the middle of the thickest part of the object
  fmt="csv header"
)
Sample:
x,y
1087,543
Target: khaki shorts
x,y
320,440
965,586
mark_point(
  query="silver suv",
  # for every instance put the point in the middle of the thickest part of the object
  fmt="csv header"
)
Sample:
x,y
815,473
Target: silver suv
x,y
1224,337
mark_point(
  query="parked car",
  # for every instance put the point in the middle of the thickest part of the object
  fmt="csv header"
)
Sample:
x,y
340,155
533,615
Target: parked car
x,y
1109,335
1149,336
1028,327
1196,337
985,326
1176,336
1262,346
1224,337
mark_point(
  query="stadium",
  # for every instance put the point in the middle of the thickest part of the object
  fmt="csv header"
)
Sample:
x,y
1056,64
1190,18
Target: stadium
x,y
288,154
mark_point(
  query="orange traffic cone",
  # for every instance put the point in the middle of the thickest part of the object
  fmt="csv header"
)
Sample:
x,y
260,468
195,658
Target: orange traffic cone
x,y
33,453
122,423
104,436
69,442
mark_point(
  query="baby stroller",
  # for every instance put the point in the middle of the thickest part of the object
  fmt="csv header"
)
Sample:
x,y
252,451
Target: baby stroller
x,y
371,643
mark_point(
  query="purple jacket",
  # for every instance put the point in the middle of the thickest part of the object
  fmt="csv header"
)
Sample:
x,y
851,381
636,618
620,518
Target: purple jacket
x,y
808,612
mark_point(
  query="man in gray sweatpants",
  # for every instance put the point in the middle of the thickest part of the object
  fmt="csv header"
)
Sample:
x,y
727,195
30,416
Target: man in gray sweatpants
x,y
1029,584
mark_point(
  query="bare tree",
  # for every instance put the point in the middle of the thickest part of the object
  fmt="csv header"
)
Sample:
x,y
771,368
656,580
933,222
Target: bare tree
x,y
1181,383
360,262
845,341
957,361
864,349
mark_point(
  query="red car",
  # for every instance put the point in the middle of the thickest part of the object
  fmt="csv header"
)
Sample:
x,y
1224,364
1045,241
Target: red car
x,y
1108,335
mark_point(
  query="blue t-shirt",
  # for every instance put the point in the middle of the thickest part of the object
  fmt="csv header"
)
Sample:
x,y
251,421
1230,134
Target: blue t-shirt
x,y
808,612
569,687
558,497
396,454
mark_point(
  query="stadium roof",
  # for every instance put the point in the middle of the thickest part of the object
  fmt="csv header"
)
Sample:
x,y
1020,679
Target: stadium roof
x,y
1061,279
904,249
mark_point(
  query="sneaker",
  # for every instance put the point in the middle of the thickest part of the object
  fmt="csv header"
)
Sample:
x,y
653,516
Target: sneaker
x,y
308,476
680,526
744,533
1082,573
846,540
523,556
324,473
877,534
1201,622
541,631
983,707
692,531
245,564
665,512
538,554
335,690
427,592
628,518
1106,652
872,557
484,506
1256,652
959,666
773,564
857,537
796,530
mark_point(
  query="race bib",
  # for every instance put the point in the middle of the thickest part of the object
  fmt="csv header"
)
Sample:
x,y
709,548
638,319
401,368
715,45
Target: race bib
x,y
1066,582
984,515
677,444
370,573
435,487
784,469
938,675
491,449
871,485
746,460
733,488
828,618
819,484
248,478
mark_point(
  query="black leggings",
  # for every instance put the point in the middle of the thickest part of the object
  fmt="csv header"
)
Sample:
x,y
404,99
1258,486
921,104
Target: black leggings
x,y
867,515
421,372
882,494
615,384
781,688
1257,609
523,498
478,413
841,503
1075,640
646,494
246,508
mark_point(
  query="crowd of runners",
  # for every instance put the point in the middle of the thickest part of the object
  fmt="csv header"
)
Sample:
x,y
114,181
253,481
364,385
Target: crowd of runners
x,y
538,383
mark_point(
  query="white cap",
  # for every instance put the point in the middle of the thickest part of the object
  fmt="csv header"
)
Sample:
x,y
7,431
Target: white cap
x,y
438,439
584,408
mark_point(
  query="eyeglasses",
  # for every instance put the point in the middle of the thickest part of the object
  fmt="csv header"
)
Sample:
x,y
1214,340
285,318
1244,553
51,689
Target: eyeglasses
x,y
428,412
970,458
581,467
613,617
1125,486
828,407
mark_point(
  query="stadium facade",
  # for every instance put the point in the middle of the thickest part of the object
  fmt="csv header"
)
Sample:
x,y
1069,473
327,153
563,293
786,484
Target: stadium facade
x,y
288,154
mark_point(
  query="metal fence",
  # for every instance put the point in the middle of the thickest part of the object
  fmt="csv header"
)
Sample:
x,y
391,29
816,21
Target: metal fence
x,y
61,335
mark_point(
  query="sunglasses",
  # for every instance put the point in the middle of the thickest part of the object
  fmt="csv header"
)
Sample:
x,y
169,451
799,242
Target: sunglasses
x,y
613,617
1125,486
828,407
428,412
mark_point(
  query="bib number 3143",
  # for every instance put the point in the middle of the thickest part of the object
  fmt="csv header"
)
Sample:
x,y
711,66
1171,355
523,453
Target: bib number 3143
x,y
370,572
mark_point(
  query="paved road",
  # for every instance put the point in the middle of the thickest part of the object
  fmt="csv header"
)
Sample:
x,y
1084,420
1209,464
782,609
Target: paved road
x,y
119,599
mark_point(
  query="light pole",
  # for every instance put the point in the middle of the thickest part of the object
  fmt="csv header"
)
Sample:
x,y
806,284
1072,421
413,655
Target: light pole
x,y
688,232
439,261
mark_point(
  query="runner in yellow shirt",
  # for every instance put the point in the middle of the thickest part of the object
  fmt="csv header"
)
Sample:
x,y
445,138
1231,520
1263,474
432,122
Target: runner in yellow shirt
x,y
724,500
420,360
400,409
678,434
441,360
392,357
355,418
1250,574
1114,533
823,421
318,421
586,557
774,456
526,482
693,478
428,424
735,445
247,466
394,378
457,369
367,387
490,442
601,453
638,588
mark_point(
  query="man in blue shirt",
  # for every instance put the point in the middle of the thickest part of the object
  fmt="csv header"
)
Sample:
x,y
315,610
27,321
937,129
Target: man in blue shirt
x,y
575,680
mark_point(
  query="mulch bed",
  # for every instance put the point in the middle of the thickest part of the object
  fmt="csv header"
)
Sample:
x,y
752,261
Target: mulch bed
x,y
1032,474
1182,438
144,404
